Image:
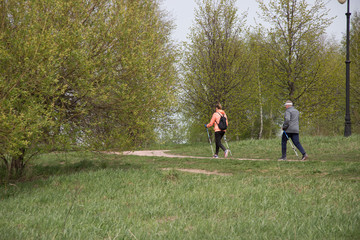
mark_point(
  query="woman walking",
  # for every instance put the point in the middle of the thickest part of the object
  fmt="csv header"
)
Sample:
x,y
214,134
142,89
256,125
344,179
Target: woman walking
x,y
219,130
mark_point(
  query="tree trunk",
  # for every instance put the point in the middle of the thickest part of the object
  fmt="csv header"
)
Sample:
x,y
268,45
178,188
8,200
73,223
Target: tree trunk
x,y
17,164
271,123
261,106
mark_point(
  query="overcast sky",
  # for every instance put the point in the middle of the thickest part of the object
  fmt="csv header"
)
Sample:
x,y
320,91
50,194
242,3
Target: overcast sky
x,y
182,11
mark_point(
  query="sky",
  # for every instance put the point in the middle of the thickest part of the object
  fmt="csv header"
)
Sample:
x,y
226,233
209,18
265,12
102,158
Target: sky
x,y
182,11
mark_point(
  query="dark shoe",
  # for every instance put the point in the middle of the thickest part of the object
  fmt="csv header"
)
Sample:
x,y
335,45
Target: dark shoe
x,y
305,156
215,156
282,159
226,153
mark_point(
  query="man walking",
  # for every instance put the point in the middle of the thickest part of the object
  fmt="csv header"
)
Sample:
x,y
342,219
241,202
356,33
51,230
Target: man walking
x,y
291,128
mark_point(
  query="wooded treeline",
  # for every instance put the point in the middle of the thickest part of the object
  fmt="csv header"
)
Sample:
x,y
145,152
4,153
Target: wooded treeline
x,y
252,72
105,74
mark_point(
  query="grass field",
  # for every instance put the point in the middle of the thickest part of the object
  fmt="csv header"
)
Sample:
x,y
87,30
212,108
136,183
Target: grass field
x,y
98,196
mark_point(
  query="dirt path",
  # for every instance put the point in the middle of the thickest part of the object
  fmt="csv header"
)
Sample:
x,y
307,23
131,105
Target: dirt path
x,y
164,153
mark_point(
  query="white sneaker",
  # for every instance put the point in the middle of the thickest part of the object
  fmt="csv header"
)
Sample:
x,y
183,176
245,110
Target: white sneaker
x,y
215,156
226,153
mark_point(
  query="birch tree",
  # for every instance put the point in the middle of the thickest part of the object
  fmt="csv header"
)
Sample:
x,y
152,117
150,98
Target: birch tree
x,y
216,65
295,43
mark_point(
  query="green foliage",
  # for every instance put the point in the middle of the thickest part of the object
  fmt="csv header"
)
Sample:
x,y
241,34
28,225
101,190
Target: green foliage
x,y
253,76
140,84
355,71
265,117
294,43
94,74
300,65
102,74
216,66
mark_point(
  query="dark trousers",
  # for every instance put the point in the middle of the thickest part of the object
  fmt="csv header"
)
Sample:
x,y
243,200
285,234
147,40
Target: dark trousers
x,y
218,137
295,139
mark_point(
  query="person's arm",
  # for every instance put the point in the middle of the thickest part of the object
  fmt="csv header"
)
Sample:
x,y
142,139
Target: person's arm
x,y
286,123
212,121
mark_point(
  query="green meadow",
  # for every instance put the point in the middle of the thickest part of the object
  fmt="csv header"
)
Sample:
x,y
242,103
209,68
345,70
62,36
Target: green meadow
x,y
89,195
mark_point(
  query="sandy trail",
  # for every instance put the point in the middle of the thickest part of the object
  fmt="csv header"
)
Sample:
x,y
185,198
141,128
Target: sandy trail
x,y
165,153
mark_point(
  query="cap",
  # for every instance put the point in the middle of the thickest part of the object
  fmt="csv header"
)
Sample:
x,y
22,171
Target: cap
x,y
288,103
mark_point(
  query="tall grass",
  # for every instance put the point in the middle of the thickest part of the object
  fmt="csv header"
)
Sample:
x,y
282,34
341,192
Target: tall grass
x,y
98,196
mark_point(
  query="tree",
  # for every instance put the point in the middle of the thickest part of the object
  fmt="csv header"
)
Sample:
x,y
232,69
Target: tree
x,y
215,66
139,88
95,74
303,62
266,103
294,44
355,70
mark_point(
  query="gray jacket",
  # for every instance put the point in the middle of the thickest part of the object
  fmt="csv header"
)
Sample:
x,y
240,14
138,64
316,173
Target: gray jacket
x,y
291,120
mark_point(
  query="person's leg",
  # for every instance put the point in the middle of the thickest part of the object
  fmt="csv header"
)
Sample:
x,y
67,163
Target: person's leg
x,y
283,146
217,141
295,138
218,136
222,133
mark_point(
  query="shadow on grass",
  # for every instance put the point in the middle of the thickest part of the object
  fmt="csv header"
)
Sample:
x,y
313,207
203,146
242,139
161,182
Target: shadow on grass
x,y
49,165
55,164
82,166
